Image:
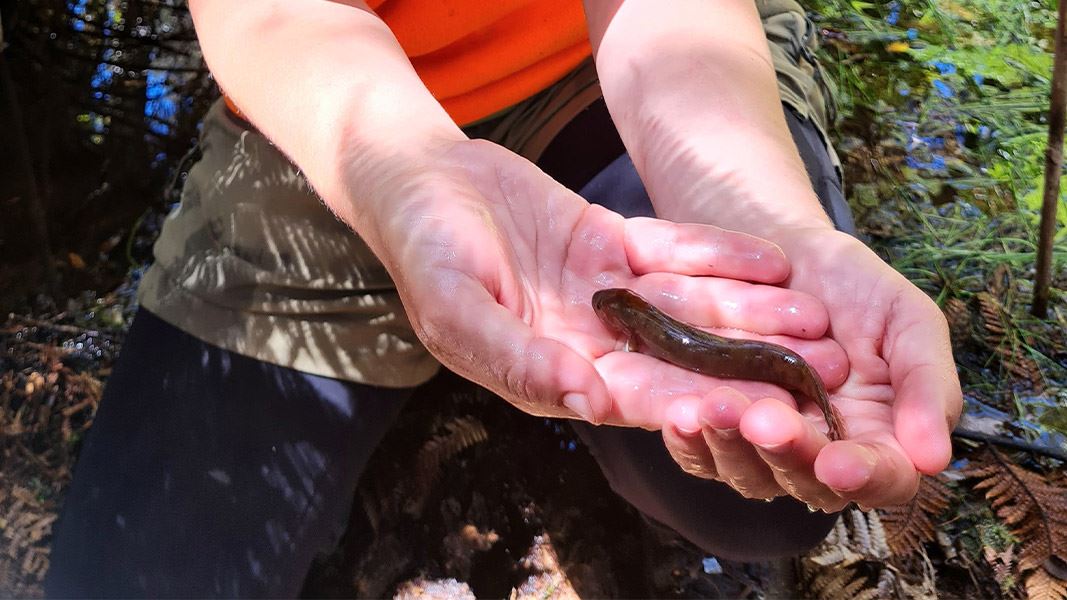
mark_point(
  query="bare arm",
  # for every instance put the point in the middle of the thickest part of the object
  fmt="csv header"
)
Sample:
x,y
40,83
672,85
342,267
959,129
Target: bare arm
x,y
495,262
692,89
329,84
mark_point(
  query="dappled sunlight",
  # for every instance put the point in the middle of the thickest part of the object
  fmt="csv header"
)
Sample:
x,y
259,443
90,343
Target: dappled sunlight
x,y
253,261
172,465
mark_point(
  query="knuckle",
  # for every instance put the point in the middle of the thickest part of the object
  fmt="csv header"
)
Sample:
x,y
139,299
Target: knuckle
x,y
754,490
692,463
699,469
514,378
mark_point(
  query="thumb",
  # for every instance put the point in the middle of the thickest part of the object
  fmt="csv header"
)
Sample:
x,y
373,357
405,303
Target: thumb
x,y
488,344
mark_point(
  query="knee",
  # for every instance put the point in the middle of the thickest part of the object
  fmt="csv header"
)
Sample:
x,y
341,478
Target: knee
x,y
759,531
707,513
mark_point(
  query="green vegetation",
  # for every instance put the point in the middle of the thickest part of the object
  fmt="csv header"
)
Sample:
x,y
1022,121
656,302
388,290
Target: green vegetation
x,y
958,90
943,140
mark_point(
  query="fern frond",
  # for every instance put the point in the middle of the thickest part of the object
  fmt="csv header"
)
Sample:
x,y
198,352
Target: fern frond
x,y
911,525
461,433
959,320
831,571
861,532
836,549
992,314
831,583
879,538
1002,564
1033,507
1005,342
1041,585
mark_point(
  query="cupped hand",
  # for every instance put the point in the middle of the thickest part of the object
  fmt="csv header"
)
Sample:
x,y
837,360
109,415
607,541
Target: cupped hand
x,y
899,402
496,264
902,397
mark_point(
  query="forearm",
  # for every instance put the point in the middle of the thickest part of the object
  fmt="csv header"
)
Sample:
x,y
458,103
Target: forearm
x,y
692,90
330,86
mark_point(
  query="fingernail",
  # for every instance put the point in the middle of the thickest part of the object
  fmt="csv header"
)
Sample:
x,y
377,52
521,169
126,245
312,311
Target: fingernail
x,y
579,404
868,457
775,448
683,415
726,434
863,475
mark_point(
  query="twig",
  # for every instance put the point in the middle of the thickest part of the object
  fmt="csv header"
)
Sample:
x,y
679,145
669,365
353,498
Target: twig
x,y
1010,442
77,408
72,329
38,213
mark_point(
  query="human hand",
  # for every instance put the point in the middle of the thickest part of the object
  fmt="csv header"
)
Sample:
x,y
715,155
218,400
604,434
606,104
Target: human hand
x,y
900,400
496,264
694,95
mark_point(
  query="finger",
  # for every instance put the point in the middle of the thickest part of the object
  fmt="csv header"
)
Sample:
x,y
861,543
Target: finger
x,y
735,459
870,473
690,249
789,444
642,387
717,302
928,396
681,435
489,345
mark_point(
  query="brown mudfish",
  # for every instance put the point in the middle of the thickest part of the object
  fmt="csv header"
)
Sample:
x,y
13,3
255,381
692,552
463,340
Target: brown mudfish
x,y
659,335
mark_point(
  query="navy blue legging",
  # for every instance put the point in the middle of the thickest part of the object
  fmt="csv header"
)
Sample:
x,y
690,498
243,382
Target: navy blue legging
x,y
207,473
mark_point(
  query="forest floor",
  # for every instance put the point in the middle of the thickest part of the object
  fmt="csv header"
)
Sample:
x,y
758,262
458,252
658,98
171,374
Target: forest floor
x,y
467,497
942,139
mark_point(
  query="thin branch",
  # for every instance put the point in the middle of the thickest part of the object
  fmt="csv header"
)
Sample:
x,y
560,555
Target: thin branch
x,y
125,67
94,31
35,203
1057,116
1010,442
26,321
179,7
122,116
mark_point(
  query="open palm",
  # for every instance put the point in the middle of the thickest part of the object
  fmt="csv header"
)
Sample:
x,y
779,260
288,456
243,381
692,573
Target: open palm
x,y
496,264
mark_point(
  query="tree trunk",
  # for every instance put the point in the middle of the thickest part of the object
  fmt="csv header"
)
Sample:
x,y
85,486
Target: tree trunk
x,y
1053,167
23,167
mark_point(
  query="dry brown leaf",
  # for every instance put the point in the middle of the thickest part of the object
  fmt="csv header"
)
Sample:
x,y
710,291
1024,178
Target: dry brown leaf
x,y
1033,506
1041,585
461,433
911,525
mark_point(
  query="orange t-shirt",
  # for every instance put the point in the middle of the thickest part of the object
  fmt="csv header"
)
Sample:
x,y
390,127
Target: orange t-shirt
x,y
480,56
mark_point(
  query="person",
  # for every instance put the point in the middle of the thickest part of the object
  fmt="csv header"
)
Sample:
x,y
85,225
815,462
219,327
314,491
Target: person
x,y
394,188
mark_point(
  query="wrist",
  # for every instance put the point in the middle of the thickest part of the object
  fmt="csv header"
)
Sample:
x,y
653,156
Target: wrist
x,y
715,153
758,189
380,180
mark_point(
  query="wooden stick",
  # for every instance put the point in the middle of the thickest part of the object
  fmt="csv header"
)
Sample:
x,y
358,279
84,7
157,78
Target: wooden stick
x,y
1010,442
1053,167
20,155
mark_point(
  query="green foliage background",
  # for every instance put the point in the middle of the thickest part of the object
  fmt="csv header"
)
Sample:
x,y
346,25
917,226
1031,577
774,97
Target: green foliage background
x,y
943,136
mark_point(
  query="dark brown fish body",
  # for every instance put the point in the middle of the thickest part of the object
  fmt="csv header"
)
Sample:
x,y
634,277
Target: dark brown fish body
x,y
681,344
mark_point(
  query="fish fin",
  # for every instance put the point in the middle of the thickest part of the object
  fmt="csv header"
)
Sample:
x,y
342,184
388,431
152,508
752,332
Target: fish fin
x,y
837,425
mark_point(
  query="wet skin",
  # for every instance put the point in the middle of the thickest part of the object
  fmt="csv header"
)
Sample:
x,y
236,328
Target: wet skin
x,y
653,332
